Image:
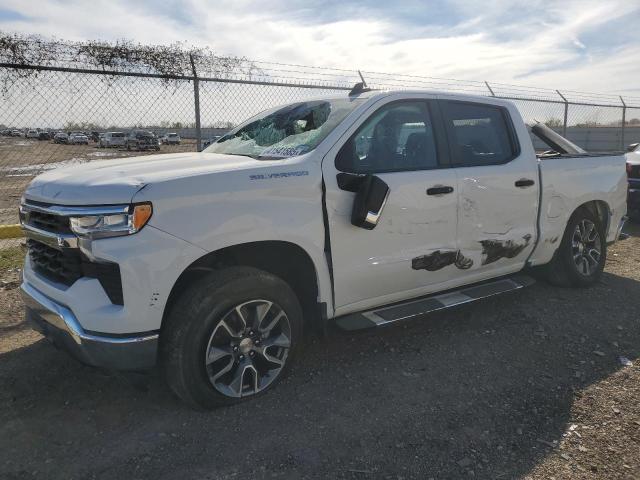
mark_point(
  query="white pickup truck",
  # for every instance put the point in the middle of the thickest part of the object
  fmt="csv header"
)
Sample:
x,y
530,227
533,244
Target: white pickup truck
x,y
364,209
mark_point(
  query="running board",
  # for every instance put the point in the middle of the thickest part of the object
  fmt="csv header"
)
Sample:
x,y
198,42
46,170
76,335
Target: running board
x,y
405,311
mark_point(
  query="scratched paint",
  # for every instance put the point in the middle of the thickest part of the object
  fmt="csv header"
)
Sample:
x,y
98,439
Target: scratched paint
x,y
494,250
440,259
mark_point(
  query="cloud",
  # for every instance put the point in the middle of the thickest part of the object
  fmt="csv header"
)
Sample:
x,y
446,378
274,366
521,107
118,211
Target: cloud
x,y
530,42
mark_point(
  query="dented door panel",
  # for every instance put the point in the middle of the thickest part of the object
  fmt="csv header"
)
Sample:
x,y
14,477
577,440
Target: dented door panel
x,y
412,248
497,220
498,186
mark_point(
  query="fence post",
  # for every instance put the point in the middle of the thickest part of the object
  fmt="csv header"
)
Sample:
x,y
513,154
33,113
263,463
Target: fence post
x,y
196,98
490,89
624,120
566,114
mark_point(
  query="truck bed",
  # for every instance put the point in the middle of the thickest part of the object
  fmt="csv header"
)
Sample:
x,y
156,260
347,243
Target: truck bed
x,y
569,181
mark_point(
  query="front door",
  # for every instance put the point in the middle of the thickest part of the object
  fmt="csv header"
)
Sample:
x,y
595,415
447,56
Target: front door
x,y
412,250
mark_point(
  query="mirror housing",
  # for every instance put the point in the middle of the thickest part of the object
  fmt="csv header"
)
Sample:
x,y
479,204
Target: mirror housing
x,y
369,202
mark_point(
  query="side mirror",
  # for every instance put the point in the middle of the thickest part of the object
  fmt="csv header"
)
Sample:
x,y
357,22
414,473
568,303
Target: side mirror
x,y
370,200
632,147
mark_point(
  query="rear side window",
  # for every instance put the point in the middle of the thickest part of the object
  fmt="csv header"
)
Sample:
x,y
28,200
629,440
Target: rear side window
x,y
479,134
397,137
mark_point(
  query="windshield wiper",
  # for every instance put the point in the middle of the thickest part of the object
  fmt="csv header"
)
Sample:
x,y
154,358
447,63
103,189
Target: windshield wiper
x,y
255,157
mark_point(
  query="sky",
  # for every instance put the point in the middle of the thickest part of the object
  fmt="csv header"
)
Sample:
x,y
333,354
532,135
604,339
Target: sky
x,y
581,45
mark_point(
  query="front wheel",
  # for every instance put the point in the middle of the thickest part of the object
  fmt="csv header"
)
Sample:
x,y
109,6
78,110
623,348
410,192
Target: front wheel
x,y
231,336
581,256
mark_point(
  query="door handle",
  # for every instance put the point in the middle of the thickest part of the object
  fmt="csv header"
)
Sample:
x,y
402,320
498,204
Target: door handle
x,y
439,190
524,182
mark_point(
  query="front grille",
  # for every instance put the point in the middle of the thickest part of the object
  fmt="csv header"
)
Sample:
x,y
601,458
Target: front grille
x,y
68,265
62,266
65,265
48,222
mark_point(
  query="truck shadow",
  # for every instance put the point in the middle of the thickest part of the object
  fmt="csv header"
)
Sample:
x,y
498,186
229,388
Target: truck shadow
x,y
632,228
486,388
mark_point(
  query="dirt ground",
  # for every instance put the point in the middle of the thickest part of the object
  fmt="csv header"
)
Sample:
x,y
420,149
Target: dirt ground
x,y
529,385
21,159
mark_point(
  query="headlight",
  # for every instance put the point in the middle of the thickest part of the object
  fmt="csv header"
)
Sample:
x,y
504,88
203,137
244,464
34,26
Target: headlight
x,y
112,225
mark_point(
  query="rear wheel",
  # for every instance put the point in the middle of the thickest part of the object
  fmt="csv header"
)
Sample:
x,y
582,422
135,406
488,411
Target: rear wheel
x,y
581,256
231,336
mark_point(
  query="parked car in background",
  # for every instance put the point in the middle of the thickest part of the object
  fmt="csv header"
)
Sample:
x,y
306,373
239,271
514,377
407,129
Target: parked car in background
x,y
633,174
17,133
213,263
142,140
32,133
78,138
44,135
61,137
112,139
171,139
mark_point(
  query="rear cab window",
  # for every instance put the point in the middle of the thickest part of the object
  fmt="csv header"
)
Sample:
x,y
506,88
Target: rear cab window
x,y
479,134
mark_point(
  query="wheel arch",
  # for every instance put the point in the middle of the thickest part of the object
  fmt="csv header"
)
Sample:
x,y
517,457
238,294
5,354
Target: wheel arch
x,y
600,209
287,260
553,229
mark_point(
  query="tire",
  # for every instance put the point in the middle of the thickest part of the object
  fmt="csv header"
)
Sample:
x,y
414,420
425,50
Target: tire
x,y
574,265
208,358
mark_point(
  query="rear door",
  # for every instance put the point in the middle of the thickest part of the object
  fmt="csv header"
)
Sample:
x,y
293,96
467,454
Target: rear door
x,y
412,250
498,187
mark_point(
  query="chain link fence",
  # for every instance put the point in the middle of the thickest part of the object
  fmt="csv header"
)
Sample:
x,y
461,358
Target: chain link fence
x,y
39,102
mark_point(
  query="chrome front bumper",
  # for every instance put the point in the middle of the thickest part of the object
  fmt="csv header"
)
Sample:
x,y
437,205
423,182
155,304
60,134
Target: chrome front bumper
x,y
58,324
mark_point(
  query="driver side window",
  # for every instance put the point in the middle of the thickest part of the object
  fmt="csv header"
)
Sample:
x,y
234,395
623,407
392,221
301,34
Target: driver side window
x,y
397,137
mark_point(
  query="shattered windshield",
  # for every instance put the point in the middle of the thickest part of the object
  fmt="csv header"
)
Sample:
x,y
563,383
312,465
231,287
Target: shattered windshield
x,y
285,131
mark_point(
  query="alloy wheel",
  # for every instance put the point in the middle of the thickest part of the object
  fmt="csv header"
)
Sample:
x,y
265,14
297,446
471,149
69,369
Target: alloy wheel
x,y
586,247
248,348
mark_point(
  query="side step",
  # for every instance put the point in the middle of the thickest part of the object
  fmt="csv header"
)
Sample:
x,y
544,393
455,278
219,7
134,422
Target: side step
x,y
413,308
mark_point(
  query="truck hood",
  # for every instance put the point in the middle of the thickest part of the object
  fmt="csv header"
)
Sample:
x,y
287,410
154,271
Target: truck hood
x,y
106,182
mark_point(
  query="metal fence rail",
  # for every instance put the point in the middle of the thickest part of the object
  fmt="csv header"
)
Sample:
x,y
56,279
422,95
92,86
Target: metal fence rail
x,y
50,98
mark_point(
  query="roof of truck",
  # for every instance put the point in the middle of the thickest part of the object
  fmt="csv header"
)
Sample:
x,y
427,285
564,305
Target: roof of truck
x,y
443,93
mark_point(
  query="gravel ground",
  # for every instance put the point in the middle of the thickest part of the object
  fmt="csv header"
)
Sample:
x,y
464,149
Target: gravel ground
x,y
527,385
